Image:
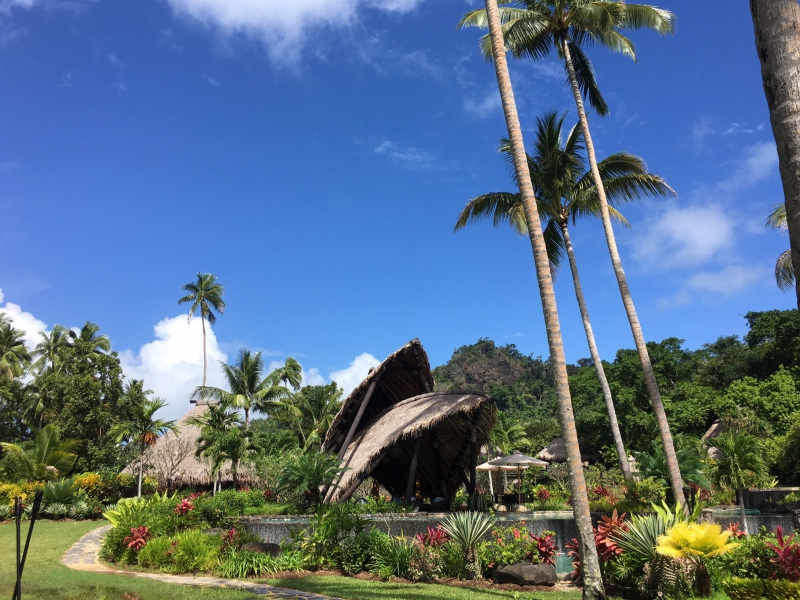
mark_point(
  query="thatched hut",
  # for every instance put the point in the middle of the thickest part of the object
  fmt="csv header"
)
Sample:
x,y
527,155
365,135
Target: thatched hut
x,y
426,444
403,374
172,458
556,452
716,430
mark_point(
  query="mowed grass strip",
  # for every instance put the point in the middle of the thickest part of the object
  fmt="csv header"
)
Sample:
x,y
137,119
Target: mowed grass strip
x,y
359,589
45,578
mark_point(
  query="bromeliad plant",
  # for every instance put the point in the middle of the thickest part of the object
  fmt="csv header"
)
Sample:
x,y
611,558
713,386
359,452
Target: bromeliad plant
x,y
466,529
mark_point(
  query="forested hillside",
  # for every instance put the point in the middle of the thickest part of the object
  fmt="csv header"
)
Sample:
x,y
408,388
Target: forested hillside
x,y
751,384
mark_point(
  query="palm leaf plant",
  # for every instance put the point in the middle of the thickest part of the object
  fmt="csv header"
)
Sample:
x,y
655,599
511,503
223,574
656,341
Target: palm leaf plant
x,y
532,29
784,270
467,529
307,474
14,356
205,296
565,191
214,425
46,458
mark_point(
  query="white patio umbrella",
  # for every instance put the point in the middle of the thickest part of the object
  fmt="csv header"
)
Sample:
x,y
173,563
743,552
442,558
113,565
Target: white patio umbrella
x,y
517,461
487,466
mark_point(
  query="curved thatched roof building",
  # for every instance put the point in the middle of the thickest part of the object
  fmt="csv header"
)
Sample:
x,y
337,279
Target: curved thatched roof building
x,y
555,451
433,438
403,374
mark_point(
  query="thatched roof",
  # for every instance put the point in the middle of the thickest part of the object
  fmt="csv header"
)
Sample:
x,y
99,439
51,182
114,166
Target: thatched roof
x,y
442,422
555,451
716,429
403,374
172,457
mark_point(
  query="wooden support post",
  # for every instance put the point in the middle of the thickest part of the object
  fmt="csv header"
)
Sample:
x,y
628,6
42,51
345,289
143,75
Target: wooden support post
x,y
463,474
473,458
345,496
357,420
412,472
439,470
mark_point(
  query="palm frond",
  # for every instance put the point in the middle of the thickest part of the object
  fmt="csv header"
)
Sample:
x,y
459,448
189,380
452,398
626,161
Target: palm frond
x,y
643,16
776,219
784,271
587,82
496,206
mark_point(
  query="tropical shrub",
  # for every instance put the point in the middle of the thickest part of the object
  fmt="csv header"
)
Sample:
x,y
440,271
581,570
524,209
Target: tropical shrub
x,y
26,490
138,538
357,552
743,589
787,561
5,512
780,589
452,560
328,528
307,474
466,529
79,510
56,510
59,490
749,560
392,557
641,494
425,564
510,545
257,564
156,553
195,551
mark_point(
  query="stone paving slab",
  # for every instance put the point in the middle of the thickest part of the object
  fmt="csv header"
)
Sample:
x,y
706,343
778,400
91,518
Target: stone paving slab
x,y
84,555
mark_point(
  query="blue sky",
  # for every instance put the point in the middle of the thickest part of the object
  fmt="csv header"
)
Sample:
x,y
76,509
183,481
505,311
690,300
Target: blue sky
x,y
314,156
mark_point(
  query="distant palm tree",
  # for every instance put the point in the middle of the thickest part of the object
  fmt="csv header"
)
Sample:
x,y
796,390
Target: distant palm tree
x,y
784,270
142,429
205,295
565,190
89,340
248,391
532,29
313,409
14,356
215,441
739,465
46,353
48,457
592,578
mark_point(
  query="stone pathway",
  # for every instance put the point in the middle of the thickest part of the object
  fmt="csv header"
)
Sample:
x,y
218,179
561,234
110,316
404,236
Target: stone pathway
x,y
84,555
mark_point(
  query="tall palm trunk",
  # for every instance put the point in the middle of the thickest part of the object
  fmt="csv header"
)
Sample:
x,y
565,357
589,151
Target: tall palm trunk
x,y
141,471
742,513
593,581
676,483
777,32
246,418
598,364
205,360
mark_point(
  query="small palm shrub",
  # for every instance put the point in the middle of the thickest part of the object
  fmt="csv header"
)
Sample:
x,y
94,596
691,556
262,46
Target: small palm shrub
x,y
156,553
307,474
79,510
5,512
393,557
195,551
467,529
56,510
61,491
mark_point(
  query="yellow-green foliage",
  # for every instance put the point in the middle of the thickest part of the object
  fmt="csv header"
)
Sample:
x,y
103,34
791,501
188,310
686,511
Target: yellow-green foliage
x,y
781,589
91,484
695,541
743,589
9,491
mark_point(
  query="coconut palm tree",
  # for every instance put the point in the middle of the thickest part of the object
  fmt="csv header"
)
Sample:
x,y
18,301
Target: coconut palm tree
x,y
205,296
46,353
593,581
778,47
565,191
214,442
313,409
740,464
532,28
89,340
248,391
14,356
784,270
142,429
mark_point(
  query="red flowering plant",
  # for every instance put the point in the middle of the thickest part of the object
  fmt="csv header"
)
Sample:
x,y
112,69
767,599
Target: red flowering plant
x,y
607,527
735,531
573,551
432,538
787,560
546,548
138,538
184,507
269,495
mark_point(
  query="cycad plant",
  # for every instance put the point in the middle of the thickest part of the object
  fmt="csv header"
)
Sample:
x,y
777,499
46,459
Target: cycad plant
x,y
308,473
48,457
696,542
466,529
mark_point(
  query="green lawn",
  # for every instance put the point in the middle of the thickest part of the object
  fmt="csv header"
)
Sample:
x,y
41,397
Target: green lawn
x,y
45,578
357,589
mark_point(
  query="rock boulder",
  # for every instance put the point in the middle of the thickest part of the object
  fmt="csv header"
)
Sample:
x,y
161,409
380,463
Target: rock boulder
x,y
527,574
263,547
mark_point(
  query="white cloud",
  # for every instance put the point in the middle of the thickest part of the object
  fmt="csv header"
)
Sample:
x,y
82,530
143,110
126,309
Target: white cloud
x,y
484,106
66,80
119,86
10,165
283,27
415,159
684,236
359,368
24,321
757,163
115,61
172,364
211,81
728,281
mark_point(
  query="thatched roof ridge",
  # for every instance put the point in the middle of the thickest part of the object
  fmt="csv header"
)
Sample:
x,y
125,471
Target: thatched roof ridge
x,y
442,421
404,374
556,451
173,456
